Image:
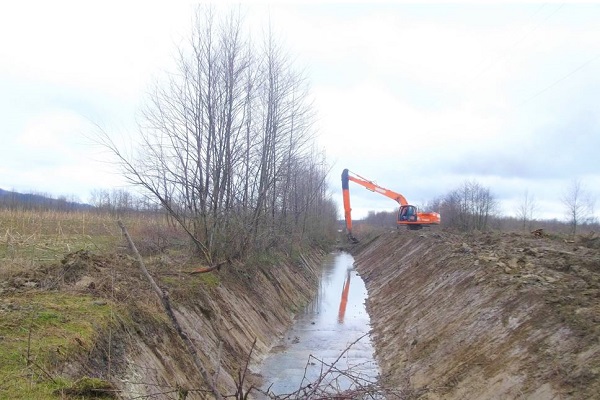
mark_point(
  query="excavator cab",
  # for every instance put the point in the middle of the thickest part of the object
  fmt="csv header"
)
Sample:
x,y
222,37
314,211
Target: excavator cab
x,y
407,213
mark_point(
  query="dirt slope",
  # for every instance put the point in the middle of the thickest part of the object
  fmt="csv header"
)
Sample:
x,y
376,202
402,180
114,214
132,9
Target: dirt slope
x,y
485,316
136,350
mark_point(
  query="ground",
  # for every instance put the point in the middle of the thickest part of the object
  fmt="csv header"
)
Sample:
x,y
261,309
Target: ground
x,y
486,315
87,323
454,316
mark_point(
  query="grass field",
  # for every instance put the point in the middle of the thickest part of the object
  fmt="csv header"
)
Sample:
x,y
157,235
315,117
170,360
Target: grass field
x,y
42,236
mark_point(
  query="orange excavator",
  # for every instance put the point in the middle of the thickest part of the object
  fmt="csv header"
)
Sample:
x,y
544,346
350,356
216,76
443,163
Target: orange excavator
x,y
408,215
344,300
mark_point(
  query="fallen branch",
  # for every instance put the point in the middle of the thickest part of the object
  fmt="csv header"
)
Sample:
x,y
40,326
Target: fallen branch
x,y
208,269
239,393
315,385
164,298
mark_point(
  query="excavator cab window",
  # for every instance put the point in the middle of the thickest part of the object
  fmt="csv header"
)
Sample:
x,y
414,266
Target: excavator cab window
x,y
407,213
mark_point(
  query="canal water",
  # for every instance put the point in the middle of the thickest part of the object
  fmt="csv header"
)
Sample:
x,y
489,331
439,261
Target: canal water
x,y
332,330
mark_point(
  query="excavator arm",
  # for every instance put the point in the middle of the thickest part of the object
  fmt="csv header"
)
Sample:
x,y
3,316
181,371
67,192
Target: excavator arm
x,y
407,214
373,187
347,208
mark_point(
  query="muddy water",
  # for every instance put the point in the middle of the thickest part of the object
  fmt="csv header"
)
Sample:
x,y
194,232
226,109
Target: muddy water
x,y
330,324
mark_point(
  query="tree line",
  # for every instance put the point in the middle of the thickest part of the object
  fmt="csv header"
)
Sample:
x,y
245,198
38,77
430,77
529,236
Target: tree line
x,y
39,201
118,201
115,201
473,206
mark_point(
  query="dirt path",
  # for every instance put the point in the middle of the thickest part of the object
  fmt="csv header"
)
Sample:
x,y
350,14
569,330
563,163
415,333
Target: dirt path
x,y
485,316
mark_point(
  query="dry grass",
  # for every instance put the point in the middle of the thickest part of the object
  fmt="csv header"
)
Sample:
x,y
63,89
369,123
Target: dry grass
x,y
31,237
39,328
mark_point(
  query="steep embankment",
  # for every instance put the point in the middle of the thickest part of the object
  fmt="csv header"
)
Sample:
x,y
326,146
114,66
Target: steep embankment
x,y
485,316
133,347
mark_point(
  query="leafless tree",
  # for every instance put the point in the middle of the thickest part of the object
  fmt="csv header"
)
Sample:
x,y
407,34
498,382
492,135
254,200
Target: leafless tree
x,y
579,205
226,143
468,207
386,219
526,210
115,201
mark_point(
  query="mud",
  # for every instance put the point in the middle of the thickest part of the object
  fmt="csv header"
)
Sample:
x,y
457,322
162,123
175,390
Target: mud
x,y
490,315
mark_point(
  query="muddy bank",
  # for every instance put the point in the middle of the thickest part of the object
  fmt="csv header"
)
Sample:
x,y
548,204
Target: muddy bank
x,y
227,313
485,316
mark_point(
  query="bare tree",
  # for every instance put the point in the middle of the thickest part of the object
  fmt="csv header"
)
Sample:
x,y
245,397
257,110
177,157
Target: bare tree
x,y
526,210
115,201
386,219
469,207
579,205
226,143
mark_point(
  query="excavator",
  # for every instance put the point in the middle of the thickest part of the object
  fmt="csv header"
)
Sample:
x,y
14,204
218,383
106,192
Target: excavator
x,y
408,215
344,300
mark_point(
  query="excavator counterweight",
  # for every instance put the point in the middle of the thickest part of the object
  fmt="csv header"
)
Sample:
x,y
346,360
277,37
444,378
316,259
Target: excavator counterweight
x,y
408,215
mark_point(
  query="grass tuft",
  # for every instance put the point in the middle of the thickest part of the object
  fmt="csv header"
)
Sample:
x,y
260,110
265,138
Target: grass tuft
x,y
89,388
41,331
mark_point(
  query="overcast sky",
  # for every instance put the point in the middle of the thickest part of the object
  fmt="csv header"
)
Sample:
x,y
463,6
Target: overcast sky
x,y
418,98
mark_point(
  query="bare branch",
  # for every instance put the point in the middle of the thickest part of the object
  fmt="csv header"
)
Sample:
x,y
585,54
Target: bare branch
x,y
164,298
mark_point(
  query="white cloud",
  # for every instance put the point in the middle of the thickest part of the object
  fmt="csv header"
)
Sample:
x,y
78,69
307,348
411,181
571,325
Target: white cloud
x,y
52,131
52,155
113,47
483,95
416,97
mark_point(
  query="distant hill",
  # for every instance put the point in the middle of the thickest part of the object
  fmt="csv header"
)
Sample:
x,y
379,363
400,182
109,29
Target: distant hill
x,y
9,199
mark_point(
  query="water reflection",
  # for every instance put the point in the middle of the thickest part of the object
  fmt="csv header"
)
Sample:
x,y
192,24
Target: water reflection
x,y
344,300
324,331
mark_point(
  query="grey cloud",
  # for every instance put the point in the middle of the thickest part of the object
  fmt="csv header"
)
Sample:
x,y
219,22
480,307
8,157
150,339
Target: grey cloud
x,y
565,151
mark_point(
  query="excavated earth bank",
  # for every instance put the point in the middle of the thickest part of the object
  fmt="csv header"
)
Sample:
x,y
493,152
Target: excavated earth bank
x,y
485,316
227,313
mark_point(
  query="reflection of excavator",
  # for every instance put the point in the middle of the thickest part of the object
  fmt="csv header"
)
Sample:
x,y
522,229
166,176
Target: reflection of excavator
x,y
407,214
344,300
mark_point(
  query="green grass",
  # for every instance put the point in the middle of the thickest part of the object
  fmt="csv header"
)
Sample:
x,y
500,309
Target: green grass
x,y
87,387
265,258
209,279
41,331
187,283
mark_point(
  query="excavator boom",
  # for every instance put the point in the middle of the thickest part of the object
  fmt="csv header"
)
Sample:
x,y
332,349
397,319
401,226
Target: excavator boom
x,y
373,187
408,215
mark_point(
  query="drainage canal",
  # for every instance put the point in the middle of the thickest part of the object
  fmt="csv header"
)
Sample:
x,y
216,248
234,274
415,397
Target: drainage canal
x,y
334,326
